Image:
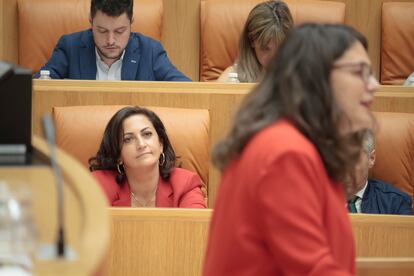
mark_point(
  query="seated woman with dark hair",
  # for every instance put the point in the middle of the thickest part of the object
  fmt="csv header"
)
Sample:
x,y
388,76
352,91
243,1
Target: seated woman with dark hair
x,y
266,27
135,164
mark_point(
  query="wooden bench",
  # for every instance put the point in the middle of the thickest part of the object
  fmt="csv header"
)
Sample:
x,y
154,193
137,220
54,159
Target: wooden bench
x,y
173,242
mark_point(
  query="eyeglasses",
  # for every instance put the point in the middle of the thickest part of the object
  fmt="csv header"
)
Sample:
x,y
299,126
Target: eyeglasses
x,y
364,70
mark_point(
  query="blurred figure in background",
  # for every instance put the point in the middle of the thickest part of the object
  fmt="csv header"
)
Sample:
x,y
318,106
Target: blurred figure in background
x,y
375,196
281,204
136,164
266,27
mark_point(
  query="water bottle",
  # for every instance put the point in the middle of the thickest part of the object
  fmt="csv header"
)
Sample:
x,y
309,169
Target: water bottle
x,y
233,77
45,75
17,232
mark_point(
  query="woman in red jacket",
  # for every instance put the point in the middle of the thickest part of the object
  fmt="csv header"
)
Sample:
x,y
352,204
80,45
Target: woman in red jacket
x,y
135,164
280,208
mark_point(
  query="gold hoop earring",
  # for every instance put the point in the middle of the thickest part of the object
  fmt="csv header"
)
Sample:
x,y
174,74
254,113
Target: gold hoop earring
x,y
118,167
161,161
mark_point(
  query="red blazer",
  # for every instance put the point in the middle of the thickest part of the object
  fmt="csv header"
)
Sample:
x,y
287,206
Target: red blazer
x,y
183,190
278,213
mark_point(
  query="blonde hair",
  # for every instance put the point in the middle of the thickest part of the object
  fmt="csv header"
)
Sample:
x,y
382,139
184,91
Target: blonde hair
x,y
267,21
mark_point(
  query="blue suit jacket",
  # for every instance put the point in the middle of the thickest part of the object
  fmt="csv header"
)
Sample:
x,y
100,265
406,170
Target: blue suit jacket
x,y
382,198
145,59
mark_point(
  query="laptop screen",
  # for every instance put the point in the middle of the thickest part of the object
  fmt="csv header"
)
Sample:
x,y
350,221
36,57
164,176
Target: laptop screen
x,y
15,114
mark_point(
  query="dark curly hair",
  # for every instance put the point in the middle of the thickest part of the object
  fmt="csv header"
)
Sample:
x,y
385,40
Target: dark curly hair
x,y
297,87
113,8
110,149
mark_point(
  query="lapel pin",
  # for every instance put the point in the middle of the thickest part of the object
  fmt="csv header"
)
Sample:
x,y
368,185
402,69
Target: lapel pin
x,y
133,61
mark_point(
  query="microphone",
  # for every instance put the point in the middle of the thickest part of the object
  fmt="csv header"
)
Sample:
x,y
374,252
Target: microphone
x,y
49,132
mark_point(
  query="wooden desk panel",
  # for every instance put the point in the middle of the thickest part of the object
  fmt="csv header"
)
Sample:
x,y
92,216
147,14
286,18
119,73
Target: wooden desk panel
x,y
391,98
157,241
385,266
173,241
383,235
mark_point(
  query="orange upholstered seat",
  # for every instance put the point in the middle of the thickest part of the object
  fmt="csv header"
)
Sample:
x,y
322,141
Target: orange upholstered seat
x,y
397,42
395,150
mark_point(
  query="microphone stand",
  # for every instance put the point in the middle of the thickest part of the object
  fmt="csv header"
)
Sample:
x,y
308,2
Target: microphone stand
x,y
50,137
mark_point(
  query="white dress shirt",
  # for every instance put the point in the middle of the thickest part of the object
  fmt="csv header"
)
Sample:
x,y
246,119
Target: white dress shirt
x,y
360,195
105,72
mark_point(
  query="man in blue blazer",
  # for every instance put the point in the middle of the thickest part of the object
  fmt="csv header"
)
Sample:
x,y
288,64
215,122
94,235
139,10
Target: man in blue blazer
x,y
110,51
375,196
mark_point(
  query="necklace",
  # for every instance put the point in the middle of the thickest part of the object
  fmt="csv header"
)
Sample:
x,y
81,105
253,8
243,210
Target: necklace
x,y
135,202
